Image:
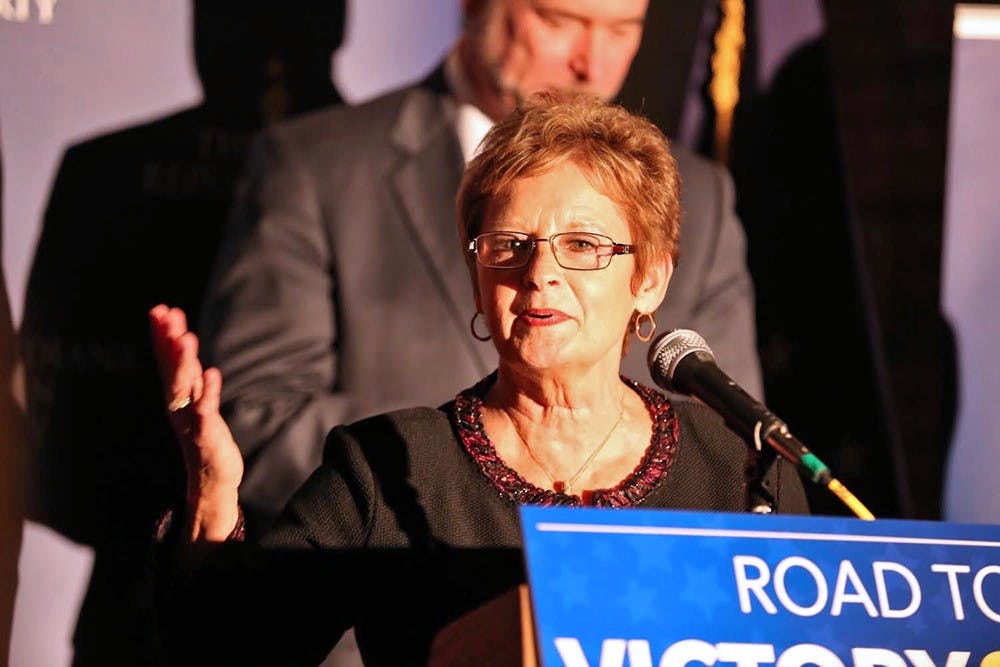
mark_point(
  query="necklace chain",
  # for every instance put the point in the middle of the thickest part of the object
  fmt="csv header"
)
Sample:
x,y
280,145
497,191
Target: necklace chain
x,y
557,485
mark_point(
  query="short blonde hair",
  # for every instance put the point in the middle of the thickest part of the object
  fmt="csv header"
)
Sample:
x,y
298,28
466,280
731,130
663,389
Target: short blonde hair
x,y
625,157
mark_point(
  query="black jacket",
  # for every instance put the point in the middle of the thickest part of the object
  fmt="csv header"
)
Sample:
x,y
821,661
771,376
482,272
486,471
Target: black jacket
x,y
399,533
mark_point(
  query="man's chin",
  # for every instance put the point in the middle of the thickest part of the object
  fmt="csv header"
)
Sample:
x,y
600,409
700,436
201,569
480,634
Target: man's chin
x,y
571,90
512,97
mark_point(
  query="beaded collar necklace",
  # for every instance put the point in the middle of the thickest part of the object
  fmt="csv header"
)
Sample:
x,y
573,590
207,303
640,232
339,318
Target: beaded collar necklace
x,y
633,490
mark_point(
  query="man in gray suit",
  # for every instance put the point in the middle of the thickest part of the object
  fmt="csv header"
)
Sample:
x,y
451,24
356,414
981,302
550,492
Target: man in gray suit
x,y
341,290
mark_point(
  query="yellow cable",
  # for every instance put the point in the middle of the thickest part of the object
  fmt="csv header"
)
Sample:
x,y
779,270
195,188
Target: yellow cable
x,y
850,500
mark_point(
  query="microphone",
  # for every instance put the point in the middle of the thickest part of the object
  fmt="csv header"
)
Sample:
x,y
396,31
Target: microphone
x,y
680,361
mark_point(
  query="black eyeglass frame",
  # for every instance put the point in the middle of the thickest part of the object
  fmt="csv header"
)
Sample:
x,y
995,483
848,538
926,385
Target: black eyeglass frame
x,y
616,249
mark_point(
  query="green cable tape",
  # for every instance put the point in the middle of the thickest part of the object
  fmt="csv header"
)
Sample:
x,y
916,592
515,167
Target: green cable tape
x,y
813,465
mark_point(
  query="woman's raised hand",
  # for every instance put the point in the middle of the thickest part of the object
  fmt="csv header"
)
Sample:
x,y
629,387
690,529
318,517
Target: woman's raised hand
x,y
212,460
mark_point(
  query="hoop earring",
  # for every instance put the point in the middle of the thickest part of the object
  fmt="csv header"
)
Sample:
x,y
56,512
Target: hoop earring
x,y
472,328
644,337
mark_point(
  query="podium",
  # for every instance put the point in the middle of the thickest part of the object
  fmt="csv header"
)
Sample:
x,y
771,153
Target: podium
x,y
498,634
617,588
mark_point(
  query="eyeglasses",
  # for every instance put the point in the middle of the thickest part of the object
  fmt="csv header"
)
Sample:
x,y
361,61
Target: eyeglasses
x,y
580,251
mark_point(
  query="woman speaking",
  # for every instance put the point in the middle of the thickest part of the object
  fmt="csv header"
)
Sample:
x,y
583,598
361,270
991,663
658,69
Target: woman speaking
x,y
569,219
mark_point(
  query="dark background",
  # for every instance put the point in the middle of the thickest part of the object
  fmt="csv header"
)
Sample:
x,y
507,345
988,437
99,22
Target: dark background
x,y
839,165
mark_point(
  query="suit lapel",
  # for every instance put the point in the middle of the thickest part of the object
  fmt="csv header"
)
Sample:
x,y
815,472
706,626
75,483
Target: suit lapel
x,y
425,182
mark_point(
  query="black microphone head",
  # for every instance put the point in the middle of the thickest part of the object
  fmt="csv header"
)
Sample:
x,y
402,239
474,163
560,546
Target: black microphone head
x,y
668,350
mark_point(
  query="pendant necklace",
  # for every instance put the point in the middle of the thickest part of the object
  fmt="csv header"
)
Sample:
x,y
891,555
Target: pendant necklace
x,y
560,486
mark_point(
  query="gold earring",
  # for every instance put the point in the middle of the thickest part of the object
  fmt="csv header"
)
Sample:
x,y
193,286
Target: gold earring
x,y
472,328
644,337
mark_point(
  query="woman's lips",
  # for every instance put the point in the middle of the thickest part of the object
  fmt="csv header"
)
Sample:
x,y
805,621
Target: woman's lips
x,y
542,317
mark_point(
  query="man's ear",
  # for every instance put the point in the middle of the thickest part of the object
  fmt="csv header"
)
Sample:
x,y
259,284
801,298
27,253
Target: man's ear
x,y
653,288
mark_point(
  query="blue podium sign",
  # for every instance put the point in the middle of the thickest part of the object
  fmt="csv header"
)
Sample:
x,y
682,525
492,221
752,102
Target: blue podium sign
x,y
640,588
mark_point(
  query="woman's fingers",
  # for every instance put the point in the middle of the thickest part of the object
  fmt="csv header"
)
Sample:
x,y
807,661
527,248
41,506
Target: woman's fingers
x,y
186,384
176,323
162,346
162,329
208,403
176,350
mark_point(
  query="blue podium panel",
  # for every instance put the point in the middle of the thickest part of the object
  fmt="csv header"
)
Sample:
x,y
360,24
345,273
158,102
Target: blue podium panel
x,y
642,588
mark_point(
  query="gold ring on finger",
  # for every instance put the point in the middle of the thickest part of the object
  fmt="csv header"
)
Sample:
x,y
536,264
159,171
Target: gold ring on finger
x,y
179,404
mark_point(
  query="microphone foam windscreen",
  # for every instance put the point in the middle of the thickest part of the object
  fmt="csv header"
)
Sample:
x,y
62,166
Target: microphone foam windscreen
x,y
668,350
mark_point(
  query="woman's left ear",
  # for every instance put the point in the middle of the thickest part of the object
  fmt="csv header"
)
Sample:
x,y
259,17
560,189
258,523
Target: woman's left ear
x,y
653,288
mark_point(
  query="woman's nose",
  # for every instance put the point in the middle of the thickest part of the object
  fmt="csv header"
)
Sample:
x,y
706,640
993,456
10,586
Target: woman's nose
x,y
542,268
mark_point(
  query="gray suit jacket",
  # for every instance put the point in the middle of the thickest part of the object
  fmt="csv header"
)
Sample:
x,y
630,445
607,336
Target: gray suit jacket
x,y
341,290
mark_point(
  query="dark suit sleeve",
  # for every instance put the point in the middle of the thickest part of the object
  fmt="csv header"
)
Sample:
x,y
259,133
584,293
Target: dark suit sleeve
x,y
270,325
724,313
